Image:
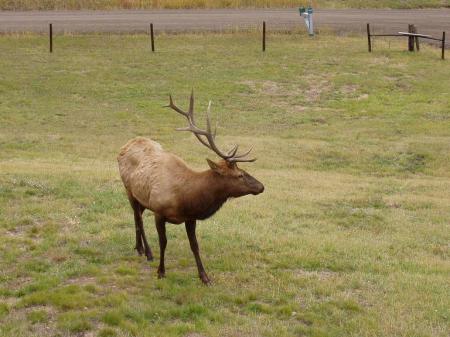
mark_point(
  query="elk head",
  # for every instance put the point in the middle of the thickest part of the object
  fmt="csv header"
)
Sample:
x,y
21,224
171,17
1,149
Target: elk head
x,y
235,181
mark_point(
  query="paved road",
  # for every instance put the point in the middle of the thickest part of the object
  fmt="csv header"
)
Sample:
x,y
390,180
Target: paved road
x,y
432,21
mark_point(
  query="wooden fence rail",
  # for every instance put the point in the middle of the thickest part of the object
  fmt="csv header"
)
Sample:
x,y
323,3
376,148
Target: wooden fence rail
x,y
411,35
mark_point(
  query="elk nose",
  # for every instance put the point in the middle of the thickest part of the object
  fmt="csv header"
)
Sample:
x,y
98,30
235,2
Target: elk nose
x,y
261,189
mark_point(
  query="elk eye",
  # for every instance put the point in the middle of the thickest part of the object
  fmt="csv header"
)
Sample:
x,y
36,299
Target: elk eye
x,y
241,175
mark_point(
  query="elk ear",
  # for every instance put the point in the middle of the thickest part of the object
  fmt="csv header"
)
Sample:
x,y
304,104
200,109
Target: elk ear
x,y
214,166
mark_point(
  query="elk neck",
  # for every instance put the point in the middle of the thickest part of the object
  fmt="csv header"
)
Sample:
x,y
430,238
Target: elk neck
x,y
205,195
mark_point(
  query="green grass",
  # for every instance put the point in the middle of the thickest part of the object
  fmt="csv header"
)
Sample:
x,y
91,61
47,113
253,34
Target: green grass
x,y
170,4
350,237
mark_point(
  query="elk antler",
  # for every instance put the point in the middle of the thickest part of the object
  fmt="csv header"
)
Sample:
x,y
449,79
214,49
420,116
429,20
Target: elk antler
x,y
231,156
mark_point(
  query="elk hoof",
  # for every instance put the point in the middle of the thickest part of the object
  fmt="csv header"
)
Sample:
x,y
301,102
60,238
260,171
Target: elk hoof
x,y
149,257
140,250
205,279
161,274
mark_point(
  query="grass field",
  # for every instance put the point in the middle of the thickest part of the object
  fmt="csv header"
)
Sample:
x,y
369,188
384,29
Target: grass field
x,y
135,4
350,238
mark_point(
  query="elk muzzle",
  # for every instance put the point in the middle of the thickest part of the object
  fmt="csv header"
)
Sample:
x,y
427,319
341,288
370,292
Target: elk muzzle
x,y
256,187
260,189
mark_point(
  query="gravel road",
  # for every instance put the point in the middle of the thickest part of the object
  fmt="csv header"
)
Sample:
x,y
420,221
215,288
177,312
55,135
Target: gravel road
x,y
431,21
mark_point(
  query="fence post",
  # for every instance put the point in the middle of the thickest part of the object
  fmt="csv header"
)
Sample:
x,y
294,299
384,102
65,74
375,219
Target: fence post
x,y
369,39
264,37
410,38
50,37
152,38
443,45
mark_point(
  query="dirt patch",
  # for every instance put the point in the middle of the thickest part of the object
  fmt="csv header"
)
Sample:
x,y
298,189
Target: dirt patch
x,y
316,89
349,89
390,78
235,332
88,334
10,301
82,280
15,232
47,328
298,108
19,283
73,221
434,116
362,97
319,274
312,94
48,309
380,60
270,88
250,84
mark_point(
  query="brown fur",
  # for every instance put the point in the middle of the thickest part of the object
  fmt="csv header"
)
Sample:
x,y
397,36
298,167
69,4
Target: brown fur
x,y
162,182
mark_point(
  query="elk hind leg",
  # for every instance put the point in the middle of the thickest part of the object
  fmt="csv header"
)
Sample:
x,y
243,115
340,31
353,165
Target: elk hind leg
x,y
142,245
137,218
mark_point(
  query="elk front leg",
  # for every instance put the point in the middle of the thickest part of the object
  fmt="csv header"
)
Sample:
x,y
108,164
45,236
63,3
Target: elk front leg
x,y
161,228
190,230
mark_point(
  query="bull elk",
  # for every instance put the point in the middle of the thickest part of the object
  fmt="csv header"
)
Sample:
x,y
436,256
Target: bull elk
x,y
163,183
